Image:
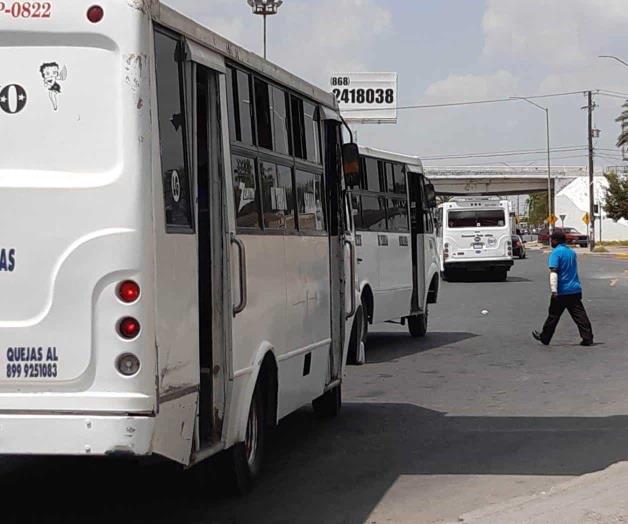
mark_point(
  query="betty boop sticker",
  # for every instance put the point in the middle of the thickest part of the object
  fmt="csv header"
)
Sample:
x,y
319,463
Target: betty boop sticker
x,y
52,74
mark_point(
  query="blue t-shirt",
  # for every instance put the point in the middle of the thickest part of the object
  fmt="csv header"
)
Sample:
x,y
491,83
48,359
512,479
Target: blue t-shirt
x,y
564,260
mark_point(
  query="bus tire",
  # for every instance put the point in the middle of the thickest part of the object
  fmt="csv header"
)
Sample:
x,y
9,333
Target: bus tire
x,y
417,324
356,352
245,458
329,403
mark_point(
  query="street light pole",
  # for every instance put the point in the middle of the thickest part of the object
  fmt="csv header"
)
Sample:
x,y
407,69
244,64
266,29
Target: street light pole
x,y
614,58
265,8
550,211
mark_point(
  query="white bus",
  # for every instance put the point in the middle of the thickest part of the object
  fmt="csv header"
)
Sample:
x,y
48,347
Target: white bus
x,y
475,235
175,225
397,257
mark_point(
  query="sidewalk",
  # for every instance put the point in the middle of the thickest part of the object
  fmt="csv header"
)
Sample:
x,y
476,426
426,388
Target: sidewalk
x,y
599,498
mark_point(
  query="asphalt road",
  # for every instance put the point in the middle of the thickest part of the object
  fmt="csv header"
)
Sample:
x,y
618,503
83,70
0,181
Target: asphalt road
x,y
475,413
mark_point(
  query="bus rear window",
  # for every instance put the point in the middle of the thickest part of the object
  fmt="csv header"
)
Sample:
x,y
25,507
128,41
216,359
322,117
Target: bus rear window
x,y
476,218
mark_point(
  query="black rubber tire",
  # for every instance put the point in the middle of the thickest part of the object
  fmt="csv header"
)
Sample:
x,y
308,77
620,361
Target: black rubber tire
x,y
328,405
417,325
243,469
360,323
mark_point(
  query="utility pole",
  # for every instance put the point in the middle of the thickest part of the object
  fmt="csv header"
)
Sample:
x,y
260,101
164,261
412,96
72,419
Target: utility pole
x,y
590,108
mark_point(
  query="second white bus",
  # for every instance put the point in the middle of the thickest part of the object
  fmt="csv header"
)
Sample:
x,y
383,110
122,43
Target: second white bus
x,y
397,258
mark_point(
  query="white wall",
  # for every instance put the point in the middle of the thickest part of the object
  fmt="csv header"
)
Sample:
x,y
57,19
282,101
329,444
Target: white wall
x,y
573,201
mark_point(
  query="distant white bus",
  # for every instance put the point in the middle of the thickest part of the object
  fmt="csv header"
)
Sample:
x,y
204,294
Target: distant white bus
x,y
475,235
174,217
397,258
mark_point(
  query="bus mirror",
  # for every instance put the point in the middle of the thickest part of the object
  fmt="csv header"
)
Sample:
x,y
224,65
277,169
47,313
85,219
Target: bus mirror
x,y
430,193
351,164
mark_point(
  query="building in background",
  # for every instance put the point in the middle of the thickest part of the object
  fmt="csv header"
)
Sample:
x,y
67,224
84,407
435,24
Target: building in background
x,y
573,202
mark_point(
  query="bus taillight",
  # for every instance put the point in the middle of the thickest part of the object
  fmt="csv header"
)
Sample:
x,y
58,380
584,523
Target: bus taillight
x,y
95,14
129,328
128,291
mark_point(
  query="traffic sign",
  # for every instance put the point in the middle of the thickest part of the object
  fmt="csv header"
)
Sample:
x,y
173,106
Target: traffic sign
x,y
552,219
586,219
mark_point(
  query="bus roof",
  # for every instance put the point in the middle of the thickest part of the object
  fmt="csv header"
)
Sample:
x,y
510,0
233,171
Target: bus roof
x,y
413,163
191,29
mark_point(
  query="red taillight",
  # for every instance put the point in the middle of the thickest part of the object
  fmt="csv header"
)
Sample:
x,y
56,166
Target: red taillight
x,y
95,14
129,291
129,328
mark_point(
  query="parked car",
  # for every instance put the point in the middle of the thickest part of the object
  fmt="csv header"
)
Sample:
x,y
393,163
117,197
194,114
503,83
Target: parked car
x,y
518,247
573,236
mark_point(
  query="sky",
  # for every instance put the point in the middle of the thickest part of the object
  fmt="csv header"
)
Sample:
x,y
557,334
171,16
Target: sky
x,y
453,51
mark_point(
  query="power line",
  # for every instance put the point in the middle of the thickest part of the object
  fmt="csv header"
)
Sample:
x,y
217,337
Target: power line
x,y
537,159
518,152
468,102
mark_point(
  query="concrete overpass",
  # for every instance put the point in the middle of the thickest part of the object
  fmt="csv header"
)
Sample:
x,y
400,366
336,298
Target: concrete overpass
x,y
500,180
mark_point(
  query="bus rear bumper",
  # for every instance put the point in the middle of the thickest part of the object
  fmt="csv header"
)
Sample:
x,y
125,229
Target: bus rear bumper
x,y
27,434
480,265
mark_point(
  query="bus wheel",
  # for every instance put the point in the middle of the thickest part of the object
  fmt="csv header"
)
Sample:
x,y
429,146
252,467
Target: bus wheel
x,y
356,355
417,325
245,458
329,403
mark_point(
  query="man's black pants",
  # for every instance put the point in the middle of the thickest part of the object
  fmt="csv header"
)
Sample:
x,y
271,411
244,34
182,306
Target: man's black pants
x,y
573,304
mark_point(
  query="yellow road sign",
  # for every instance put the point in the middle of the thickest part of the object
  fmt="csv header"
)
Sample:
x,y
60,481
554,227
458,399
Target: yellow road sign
x,y
586,219
552,219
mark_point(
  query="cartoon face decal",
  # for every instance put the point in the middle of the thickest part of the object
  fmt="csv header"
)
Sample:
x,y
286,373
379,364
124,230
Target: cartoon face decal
x,y
52,74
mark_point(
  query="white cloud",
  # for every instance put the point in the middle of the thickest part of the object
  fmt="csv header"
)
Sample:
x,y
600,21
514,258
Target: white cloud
x,y
559,33
473,87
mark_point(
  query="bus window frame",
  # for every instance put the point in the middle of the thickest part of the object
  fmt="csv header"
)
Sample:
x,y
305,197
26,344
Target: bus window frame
x,y
185,93
261,154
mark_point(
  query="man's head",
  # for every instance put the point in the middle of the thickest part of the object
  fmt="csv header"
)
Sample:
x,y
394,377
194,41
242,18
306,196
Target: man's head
x,y
558,237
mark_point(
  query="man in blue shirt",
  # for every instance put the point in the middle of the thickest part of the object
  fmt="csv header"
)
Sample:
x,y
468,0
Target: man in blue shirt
x,y
566,293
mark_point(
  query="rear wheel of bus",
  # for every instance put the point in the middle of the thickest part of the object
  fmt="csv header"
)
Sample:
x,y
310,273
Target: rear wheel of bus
x,y
417,324
244,460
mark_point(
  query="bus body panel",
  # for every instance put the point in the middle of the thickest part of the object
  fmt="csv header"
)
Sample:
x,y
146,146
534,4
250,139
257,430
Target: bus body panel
x,y
69,190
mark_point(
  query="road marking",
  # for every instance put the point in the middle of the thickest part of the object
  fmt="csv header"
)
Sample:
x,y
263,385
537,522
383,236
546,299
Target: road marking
x,y
613,282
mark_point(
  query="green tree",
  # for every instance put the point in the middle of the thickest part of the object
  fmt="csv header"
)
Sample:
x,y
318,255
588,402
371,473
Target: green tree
x,y
537,205
616,205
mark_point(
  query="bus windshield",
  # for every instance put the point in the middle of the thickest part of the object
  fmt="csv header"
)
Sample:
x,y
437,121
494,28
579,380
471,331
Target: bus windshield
x,y
476,218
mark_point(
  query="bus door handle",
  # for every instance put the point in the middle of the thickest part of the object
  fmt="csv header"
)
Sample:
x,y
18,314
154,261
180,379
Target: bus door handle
x,y
242,261
352,266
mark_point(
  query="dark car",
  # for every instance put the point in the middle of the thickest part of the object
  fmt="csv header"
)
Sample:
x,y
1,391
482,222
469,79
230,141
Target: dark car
x,y
518,247
573,236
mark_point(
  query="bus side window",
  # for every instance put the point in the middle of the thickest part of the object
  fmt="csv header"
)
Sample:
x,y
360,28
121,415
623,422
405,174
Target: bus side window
x,y
398,214
298,125
277,197
312,133
263,114
281,124
172,135
245,192
373,213
371,174
310,197
400,179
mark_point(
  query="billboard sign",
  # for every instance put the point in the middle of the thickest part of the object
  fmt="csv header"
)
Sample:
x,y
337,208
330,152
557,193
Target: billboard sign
x,y
366,98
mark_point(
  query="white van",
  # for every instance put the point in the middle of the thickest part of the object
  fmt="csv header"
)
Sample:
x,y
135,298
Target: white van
x,y
475,235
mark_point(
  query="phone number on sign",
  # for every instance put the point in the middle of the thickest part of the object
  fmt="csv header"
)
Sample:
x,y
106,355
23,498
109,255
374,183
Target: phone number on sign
x,y
365,96
26,9
36,370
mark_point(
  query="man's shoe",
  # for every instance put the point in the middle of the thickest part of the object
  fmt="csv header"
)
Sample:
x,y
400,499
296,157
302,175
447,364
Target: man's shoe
x,y
586,343
537,336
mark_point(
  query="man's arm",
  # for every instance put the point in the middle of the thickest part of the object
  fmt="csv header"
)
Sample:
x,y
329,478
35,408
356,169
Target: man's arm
x,y
553,280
